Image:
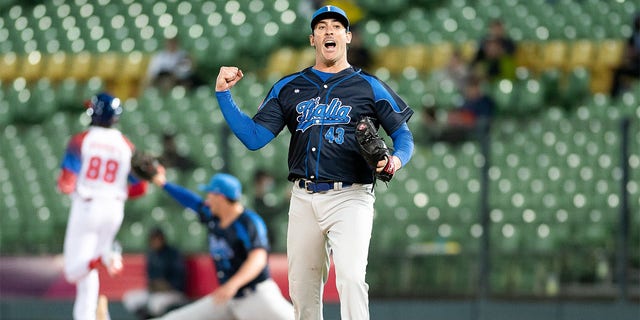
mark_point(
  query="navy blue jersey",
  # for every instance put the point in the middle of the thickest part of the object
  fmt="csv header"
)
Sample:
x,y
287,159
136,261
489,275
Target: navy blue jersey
x,y
321,116
229,247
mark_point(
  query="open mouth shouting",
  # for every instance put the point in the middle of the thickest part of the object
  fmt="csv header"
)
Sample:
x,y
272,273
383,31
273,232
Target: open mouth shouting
x,y
330,45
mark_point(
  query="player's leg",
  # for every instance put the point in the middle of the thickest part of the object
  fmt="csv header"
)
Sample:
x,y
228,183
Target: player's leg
x,y
307,256
86,302
80,242
102,312
111,214
266,302
79,249
204,309
351,221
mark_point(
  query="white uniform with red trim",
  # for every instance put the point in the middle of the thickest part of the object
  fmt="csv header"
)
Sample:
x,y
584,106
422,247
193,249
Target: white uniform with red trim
x,y
96,172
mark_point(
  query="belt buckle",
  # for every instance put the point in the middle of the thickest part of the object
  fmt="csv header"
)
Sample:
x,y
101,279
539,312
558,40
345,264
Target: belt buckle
x,y
307,183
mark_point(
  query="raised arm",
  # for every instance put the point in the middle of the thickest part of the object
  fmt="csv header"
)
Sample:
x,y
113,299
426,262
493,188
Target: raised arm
x,y
252,135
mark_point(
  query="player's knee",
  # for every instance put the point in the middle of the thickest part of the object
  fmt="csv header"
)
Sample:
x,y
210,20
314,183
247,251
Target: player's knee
x,y
70,277
71,274
350,278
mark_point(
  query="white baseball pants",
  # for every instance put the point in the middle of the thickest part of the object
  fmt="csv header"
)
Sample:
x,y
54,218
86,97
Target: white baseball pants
x,y
339,222
266,302
91,228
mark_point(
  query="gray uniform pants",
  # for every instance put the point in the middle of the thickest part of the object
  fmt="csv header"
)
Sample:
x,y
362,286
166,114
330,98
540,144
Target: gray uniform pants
x,y
339,221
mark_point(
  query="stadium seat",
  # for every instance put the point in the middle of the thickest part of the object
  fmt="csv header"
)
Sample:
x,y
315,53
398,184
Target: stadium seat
x,y
12,227
580,55
108,66
576,88
67,96
468,50
528,96
91,87
527,55
9,67
281,62
81,66
133,237
553,55
608,53
32,66
441,54
43,101
550,83
305,58
56,67
417,56
390,59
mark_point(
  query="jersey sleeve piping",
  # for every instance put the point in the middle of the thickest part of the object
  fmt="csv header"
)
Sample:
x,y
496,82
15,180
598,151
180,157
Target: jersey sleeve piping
x,y
381,93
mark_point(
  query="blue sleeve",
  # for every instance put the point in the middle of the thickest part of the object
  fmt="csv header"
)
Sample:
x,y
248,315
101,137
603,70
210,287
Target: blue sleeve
x,y
260,238
72,159
186,198
132,179
403,143
252,135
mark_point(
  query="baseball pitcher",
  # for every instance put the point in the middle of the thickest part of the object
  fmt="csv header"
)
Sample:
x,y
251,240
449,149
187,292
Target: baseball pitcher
x,y
331,208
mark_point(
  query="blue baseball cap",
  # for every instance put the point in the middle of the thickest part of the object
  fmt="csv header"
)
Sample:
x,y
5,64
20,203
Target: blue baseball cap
x,y
225,184
330,12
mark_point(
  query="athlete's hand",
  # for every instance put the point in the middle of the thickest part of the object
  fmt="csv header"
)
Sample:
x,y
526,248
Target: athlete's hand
x,y
160,179
227,78
224,293
382,163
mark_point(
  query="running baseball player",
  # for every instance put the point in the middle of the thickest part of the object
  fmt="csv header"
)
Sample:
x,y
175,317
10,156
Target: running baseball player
x,y
331,207
239,247
95,172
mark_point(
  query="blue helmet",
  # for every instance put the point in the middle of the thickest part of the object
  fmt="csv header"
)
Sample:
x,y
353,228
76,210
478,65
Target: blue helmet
x,y
104,109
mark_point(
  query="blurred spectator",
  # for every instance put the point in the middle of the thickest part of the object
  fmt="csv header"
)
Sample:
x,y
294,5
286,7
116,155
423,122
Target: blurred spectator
x,y
629,69
460,124
270,205
496,32
457,71
166,280
495,56
171,67
171,157
477,103
495,64
358,54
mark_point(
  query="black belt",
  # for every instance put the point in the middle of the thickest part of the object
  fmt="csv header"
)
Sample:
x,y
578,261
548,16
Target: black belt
x,y
314,187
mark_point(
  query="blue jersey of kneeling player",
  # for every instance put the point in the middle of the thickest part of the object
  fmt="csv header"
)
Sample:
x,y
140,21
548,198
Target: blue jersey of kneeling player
x,y
229,247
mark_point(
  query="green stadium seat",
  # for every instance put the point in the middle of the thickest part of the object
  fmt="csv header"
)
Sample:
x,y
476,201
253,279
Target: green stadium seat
x,y
528,96
12,230
576,89
133,237
502,93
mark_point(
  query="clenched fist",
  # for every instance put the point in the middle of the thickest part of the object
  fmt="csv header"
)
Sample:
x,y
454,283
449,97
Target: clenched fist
x,y
228,77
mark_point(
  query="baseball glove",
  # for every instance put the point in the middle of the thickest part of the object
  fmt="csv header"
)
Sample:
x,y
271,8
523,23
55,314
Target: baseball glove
x,y
144,165
373,148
